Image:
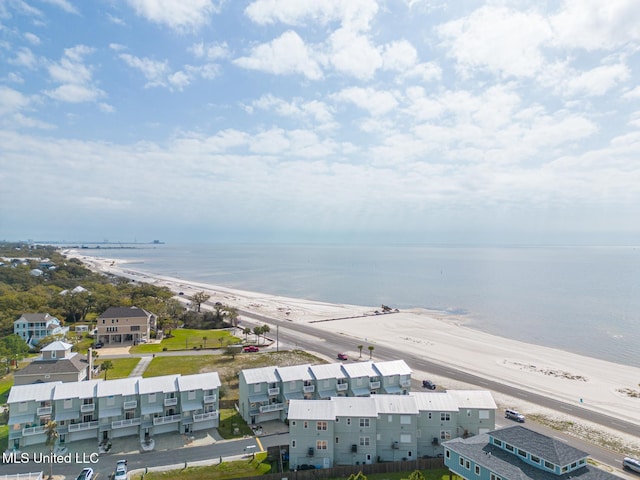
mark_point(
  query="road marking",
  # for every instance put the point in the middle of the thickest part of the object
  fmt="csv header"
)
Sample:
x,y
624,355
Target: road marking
x,y
259,444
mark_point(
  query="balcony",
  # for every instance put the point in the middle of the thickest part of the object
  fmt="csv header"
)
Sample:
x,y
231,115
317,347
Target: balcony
x,y
272,407
209,399
88,407
79,427
167,419
309,388
44,410
125,423
341,387
170,402
274,391
32,430
201,417
130,405
374,385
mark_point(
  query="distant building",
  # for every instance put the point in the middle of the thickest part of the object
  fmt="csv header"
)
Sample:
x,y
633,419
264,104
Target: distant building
x,y
33,327
124,325
517,453
56,364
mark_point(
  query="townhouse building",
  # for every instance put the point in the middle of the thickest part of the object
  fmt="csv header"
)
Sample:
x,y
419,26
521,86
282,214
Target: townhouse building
x,y
33,327
124,325
382,427
265,393
106,410
517,453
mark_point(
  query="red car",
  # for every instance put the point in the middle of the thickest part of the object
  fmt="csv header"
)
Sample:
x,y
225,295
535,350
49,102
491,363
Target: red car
x,y
342,356
250,349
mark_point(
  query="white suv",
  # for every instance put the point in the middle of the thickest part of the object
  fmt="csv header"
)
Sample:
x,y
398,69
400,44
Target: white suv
x,y
514,415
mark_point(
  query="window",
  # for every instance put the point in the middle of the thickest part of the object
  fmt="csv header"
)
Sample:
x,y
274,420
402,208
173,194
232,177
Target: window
x,y
445,435
405,420
191,395
467,465
495,477
405,438
135,328
293,423
468,413
321,425
348,421
447,453
509,447
305,424
445,416
256,388
152,398
337,440
497,442
483,414
461,461
364,441
429,415
565,469
535,459
364,423
321,445
574,465
476,469
293,444
549,465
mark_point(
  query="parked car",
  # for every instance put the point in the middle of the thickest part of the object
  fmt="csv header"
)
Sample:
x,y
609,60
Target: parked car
x,y
631,464
121,471
98,345
342,356
250,349
85,474
514,415
428,384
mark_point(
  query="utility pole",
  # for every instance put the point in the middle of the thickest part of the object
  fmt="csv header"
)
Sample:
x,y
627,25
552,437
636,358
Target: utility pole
x,y
277,338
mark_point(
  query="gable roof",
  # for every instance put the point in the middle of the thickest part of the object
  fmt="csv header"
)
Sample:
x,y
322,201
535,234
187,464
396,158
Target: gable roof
x,y
36,317
56,346
36,391
209,380
392,367
74,364
259,375
396,404
355,406
311,410
435,401
124,312
473,399
364,369
294,372
330,370
164,384
86,389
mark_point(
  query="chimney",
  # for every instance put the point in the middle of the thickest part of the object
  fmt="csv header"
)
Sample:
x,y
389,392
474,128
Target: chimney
x,y
90,359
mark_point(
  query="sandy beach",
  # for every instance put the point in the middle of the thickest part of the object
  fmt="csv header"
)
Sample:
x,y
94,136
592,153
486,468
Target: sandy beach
x,y
591,383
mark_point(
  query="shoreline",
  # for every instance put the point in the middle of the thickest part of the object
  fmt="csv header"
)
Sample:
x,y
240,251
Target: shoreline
x,y
586,382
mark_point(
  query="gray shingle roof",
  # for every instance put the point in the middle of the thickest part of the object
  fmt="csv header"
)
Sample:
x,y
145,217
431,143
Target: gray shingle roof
x,y
73,364
124,312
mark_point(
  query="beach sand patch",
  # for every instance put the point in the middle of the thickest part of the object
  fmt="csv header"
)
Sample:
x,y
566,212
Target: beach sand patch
x,y
629,392
551,372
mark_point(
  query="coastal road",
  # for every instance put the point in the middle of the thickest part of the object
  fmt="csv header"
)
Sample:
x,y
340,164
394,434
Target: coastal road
x,y
304,337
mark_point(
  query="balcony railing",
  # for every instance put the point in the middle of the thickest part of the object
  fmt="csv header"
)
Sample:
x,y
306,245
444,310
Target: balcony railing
x,y
201,417
130,405
170,402
374,385
44,410
125,423
342,386
209,399
308,388
32,430
272,407
274,391
167,419
87,407
78,427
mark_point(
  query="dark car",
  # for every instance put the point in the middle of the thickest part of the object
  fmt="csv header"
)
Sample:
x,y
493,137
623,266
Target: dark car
x,y
306,466
98,345
428,384
342,356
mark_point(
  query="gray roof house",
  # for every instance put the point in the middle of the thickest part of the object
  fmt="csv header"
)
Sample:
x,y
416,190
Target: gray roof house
x,y
56,363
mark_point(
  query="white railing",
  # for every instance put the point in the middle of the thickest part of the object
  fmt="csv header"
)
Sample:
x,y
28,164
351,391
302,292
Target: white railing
x,y
130,405
87,407
32,430
274,391
210,399
78,427
201,417
308,388
342,386
44,410
166,419
272,407
170,402
125,423
22,476
374,385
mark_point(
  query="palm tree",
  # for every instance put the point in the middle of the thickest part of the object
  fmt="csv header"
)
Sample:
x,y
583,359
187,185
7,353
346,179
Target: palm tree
x,y
51,430
257,331
265,330
246,332
106,366
370,347
360,347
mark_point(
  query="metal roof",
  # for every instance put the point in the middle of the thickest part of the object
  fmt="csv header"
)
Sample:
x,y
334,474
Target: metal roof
x,y
55,346
260,375
38,392
164,384
355,407
473,398
120,386
364,369
331,370
294,372
86,389
312,410
399,404
435,401
199,381
392,367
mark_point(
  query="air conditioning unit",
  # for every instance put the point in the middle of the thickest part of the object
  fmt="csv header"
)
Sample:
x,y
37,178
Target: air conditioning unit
x,y
310,452
354,448
395,445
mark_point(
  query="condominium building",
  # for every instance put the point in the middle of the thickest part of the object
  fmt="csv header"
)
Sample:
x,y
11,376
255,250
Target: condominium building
x,y
33,327
119,325
265,393
383,428
517,453
104,410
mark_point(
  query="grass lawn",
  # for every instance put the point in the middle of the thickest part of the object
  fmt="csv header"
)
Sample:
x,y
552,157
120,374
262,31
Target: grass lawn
x,y
437,474
4,437
236,469
83,345
122,367
187,339
231,419
185,365
6,383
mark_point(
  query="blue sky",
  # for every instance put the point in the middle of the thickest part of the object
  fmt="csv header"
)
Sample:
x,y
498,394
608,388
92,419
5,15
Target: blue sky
x,y
320,120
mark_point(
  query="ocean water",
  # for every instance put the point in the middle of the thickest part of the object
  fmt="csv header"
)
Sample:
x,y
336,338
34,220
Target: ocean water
x,y
580,299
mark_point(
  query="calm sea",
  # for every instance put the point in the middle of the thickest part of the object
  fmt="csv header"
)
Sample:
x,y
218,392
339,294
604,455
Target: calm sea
x,y
580,299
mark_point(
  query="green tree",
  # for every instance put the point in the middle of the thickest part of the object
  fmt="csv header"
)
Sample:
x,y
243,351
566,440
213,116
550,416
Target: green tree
x,y
13,349
360,347
416,475
371,348
257,331
105,367
357,476
199,298
51,432
246,332
265,330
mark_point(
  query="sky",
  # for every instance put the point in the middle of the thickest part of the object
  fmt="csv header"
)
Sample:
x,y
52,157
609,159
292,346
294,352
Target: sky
x,y
420,121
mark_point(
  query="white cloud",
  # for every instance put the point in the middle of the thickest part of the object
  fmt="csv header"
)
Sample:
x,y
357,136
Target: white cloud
x,y
64,5
314,110
117,47
106,108
24,58
374,101
32,38
353,14
284,55
354,54
597,81
75,93
76,77
11,100
179,15
633,94
399,56
179,80
424,72
211,51
505,42
154,71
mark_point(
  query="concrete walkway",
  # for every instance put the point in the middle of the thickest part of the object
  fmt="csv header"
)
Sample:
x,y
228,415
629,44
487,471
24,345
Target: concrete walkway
x,y
142,366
